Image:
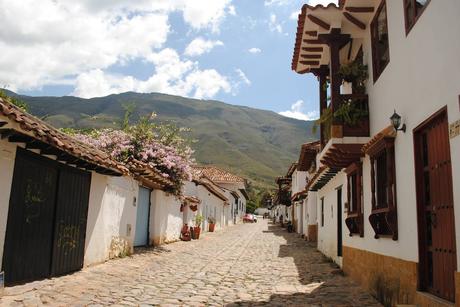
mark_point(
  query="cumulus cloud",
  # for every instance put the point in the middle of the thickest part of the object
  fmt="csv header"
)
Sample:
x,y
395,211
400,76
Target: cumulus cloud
x,y
274,25
255,50
200,46
276,2
296,112
172,75
74,41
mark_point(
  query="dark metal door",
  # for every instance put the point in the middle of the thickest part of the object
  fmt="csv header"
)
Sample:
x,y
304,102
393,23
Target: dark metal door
x,y
435,208
70,222
339,222
29,231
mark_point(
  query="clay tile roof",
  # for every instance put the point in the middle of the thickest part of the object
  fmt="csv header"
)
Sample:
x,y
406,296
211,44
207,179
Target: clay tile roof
x,y
217,175
33,129
387,132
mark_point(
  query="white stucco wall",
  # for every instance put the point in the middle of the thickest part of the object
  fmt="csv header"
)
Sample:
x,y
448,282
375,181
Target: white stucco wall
x,y
421,78
111,216
298,181
211,206
7,156
166,220
327,233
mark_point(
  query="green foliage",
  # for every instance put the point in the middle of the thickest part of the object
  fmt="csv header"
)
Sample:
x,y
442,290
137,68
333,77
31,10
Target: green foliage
x,y
15,101
129,109
350,113
355,72
198,220
251,206
326,121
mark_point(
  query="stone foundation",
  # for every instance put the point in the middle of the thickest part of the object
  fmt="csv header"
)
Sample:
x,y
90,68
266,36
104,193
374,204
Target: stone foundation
x,y
392,281
120,247
312,233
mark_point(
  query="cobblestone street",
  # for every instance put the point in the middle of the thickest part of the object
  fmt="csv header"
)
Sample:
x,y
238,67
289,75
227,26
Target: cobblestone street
x,y
245,265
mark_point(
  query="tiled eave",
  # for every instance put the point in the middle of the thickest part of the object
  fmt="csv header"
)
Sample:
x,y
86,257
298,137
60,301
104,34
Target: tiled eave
x,y
351,16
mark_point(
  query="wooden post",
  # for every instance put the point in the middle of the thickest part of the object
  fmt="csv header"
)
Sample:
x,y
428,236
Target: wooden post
x,y
336,41
322,72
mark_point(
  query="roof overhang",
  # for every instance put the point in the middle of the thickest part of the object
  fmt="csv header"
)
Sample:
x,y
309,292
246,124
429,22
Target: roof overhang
x,y
245,194
307,156
351,17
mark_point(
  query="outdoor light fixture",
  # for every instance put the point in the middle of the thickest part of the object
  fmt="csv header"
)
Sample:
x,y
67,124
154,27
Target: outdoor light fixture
x,y
396,122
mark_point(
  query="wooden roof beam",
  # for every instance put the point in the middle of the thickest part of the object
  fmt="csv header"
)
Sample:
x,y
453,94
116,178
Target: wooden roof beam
x,y
312,49
311,33
309,62
310,56
355,21
360,9
319,22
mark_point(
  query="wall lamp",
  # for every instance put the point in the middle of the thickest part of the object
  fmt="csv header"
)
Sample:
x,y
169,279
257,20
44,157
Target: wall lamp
x,y
396,122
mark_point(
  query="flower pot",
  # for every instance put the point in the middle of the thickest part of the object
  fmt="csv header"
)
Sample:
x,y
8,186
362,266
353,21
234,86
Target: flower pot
x,y
211,227
196,233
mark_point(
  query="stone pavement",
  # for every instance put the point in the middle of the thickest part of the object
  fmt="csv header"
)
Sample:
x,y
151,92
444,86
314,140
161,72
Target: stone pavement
x,y
244,265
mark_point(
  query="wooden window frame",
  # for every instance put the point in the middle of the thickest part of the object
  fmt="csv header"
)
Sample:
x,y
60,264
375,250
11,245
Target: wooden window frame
x,y
376,69
406,3
355,214
384,219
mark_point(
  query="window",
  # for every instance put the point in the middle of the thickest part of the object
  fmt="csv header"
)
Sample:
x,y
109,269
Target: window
x,y
322,212
412,11
383,186
380,44
355,219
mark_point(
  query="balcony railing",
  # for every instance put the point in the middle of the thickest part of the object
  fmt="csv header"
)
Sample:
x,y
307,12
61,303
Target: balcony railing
x,y
350,118
285,198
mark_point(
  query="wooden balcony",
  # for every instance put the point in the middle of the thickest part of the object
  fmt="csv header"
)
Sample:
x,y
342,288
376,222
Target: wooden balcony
x,y
349,119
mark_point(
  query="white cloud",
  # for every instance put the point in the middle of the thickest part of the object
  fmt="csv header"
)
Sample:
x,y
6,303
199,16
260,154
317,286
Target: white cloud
x,y
172,76
294,15
296,112
200,46
232,10
243,76
254,50
276,2
206,14
66,39
274,25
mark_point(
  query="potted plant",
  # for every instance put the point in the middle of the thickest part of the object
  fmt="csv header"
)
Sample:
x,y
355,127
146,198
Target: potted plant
x,y
355,73
212,223
197,229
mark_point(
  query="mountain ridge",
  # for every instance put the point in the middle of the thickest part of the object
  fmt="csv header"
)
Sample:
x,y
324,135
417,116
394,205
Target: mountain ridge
x,y
253,143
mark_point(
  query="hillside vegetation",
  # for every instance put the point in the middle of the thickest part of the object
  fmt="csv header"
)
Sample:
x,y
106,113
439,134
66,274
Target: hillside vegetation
x,y
256,144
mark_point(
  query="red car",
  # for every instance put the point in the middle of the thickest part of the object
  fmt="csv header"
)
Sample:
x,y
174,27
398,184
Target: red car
x,y
249,218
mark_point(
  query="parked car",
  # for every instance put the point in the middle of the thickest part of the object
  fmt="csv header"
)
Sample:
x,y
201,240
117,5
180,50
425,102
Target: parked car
x,y
249,218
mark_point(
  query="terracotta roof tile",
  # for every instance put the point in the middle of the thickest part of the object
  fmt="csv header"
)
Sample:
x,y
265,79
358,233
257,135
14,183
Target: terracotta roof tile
x,y
217,175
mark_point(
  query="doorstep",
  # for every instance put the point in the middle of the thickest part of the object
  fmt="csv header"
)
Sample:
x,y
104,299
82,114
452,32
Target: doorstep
x,y
428,299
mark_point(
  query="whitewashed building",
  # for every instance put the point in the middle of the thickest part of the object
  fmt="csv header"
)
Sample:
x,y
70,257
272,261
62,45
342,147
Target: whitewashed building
x,y
230,182
63,204
387,192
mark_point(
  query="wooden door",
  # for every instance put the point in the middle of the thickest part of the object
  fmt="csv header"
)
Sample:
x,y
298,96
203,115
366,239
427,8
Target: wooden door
x,y
70,221
29,231
435,207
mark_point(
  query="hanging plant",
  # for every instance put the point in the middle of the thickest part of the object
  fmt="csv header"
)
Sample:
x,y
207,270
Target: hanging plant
x,y
356,73
350,113
326,121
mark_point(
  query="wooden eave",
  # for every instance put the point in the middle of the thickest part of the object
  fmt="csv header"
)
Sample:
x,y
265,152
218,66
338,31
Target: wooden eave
x,y
351,17
307,156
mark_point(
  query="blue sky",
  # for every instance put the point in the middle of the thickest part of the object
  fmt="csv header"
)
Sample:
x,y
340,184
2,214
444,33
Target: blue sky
x,y
236,51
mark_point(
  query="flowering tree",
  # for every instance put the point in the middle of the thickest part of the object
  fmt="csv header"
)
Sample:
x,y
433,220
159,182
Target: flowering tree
x,y
162,146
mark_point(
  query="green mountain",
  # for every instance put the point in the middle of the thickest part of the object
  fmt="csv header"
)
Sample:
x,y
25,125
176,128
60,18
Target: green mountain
x,y
256,144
